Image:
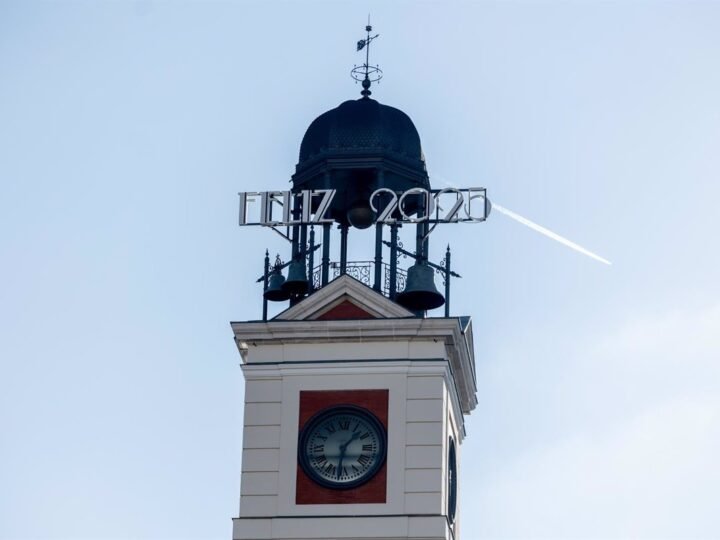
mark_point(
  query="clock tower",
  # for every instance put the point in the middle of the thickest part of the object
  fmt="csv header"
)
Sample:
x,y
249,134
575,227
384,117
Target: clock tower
x,y
355,394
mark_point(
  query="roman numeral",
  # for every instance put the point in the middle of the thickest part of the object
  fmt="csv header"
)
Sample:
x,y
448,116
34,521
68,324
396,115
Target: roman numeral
x,y
330,428
365,435
320,460
318,448
356,427
363,459
367,447
330,469
344,424
321,437
345,471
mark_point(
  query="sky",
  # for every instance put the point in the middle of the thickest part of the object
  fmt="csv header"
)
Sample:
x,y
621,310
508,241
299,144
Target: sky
x,y
127,128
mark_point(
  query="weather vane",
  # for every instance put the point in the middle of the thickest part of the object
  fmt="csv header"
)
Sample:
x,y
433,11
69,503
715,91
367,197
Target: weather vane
x,y
366,74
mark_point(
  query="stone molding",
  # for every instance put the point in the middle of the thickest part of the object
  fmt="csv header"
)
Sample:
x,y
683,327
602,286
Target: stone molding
x,y
341,289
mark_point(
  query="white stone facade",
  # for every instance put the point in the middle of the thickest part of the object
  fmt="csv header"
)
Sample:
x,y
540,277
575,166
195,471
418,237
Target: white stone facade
x,y
427,367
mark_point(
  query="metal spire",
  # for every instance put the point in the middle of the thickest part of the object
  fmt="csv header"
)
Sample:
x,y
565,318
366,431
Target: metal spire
x,y
366,73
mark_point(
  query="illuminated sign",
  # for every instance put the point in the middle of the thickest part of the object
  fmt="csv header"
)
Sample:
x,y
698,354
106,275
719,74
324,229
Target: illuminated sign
x,y
285,208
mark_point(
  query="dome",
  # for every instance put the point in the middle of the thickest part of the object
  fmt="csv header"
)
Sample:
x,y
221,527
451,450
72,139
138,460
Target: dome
x,y
357,148
362,127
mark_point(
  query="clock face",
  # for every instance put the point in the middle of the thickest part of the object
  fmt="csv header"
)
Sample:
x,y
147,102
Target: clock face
x,y
342,447
452,482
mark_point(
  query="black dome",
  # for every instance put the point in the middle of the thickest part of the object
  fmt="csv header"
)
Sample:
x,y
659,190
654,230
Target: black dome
x,y
357,148
360,127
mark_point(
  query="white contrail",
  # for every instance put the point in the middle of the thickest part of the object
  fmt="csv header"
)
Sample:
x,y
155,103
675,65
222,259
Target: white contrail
x,y
542,230
539,228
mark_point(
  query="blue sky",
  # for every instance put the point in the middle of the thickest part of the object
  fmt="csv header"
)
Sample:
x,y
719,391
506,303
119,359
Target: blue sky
x,y
126,131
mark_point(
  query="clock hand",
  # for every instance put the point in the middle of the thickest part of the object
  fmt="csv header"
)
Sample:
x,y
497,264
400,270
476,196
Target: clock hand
x,y
343,448
355,436
342,456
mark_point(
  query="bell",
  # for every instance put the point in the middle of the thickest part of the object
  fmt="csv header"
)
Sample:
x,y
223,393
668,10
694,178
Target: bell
x,y
275,291
420,293
296,283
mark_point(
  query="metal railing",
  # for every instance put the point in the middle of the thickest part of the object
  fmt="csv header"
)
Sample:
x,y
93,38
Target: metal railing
x,y
364,272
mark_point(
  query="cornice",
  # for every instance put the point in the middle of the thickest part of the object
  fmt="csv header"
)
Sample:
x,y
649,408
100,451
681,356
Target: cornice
x,y
446,329
344,287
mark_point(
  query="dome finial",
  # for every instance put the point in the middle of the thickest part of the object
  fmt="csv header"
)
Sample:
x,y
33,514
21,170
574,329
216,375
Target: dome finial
x,y
366,73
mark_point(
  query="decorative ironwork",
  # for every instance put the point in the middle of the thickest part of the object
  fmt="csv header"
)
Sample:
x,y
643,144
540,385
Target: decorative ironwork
x,y
360,270
400,251
432,265
280,265
366,73
316,277
363,271
400,279
442,273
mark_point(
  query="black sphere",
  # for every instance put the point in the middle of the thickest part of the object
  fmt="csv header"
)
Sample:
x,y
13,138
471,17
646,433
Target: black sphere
x,y
360,215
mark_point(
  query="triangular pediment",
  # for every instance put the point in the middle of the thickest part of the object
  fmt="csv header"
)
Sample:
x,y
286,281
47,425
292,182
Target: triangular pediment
x,y
342,299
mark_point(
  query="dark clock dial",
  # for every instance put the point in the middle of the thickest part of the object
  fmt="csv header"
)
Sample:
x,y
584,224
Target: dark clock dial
x,y
342,447
452,482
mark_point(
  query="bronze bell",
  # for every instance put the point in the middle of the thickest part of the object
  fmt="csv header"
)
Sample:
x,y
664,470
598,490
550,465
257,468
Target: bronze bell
x,y
420,293
296,283
275,291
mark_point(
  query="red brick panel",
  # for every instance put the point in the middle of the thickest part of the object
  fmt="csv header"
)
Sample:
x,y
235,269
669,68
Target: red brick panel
x,y
343,311
373,491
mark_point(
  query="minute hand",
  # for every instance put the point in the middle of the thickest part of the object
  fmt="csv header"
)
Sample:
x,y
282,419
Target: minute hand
x,y
343,448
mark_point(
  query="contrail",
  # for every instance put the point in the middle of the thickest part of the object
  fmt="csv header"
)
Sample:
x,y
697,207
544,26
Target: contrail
x,y
539,228
542,230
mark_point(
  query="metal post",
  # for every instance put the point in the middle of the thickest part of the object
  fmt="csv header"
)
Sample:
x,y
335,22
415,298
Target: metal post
x,y
302,245
303,240
419,233
421,243
326,254
265,284
426,242
378,257
393,260
447,281
343,247
295,228
325,272
311,260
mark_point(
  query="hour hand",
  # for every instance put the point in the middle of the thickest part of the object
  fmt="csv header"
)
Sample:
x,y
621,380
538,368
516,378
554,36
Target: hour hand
x,y
340,460
343,448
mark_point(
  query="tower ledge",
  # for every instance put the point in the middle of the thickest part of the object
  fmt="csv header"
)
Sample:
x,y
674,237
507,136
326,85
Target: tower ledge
x,y
277,341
